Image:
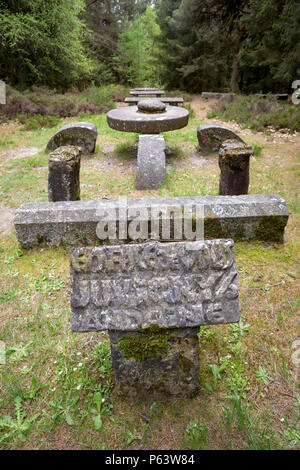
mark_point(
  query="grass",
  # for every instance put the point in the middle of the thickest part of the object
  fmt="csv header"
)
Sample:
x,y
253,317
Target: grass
x,y
57,387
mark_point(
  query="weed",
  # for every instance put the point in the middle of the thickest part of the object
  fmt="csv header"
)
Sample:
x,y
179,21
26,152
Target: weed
x,y
262,374
100,408
101,354
17,427
133,436
197,434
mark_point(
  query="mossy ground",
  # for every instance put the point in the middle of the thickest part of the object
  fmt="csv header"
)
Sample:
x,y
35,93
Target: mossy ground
x,y
249,374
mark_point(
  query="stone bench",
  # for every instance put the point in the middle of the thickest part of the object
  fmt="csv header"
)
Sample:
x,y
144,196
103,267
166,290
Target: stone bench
x,y
74,223
210,95
172,101
279,96
151,162
211,136
79,134
152,298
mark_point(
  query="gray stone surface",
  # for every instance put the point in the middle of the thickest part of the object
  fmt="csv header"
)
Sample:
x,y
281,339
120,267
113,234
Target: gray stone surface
x,y
80,134
170,362
145,89
173,100
64,174
211,136
260,216
170,285
151,162
147,92
234,159
209,95
130,119
151,105
279,96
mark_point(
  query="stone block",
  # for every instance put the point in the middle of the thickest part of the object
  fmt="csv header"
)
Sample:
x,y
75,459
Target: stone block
x,y
151,162
153,363
234,159
64,174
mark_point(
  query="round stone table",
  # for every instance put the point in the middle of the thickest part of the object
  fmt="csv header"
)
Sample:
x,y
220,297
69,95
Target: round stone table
x,y
149,117
130,119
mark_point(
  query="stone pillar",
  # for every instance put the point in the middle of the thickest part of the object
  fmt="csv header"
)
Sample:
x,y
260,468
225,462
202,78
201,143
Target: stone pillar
x,y
234,164
156,361
151,162
64,174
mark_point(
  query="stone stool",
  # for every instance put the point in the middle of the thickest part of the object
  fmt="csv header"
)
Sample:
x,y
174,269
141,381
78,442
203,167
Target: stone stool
x,y
234,159
64,174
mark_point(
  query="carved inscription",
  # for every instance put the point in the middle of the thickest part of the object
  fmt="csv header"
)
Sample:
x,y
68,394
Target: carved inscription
x,y
175,285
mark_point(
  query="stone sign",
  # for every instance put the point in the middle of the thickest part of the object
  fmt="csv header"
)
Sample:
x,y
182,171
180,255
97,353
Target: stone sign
x,y
171,285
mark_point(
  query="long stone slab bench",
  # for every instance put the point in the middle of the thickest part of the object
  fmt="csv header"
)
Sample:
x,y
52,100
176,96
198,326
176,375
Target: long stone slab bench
x,y
279,96
211,95
173,101
260,216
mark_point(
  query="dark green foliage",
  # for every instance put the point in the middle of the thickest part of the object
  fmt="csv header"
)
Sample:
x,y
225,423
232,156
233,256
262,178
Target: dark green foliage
x,y
244,46
41,42
216,45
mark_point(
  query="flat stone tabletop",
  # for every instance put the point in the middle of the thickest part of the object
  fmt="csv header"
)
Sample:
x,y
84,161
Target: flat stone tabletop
x,y
145,89
130,119
136,99
146,92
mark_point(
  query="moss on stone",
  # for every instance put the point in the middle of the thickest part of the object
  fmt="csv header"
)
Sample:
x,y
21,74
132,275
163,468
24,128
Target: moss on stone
x,y
40,238
213,228
152,341
271,228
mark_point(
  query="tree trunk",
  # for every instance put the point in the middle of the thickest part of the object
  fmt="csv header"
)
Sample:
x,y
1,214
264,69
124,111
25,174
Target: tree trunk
x,y
235,66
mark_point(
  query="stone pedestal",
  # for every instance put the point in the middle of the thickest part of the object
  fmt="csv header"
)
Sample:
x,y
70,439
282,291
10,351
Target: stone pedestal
x,y
151,162
64,174
156,361
234,165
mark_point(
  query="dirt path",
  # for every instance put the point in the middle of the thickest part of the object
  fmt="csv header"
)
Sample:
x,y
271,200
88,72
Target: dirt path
x,y
6,220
